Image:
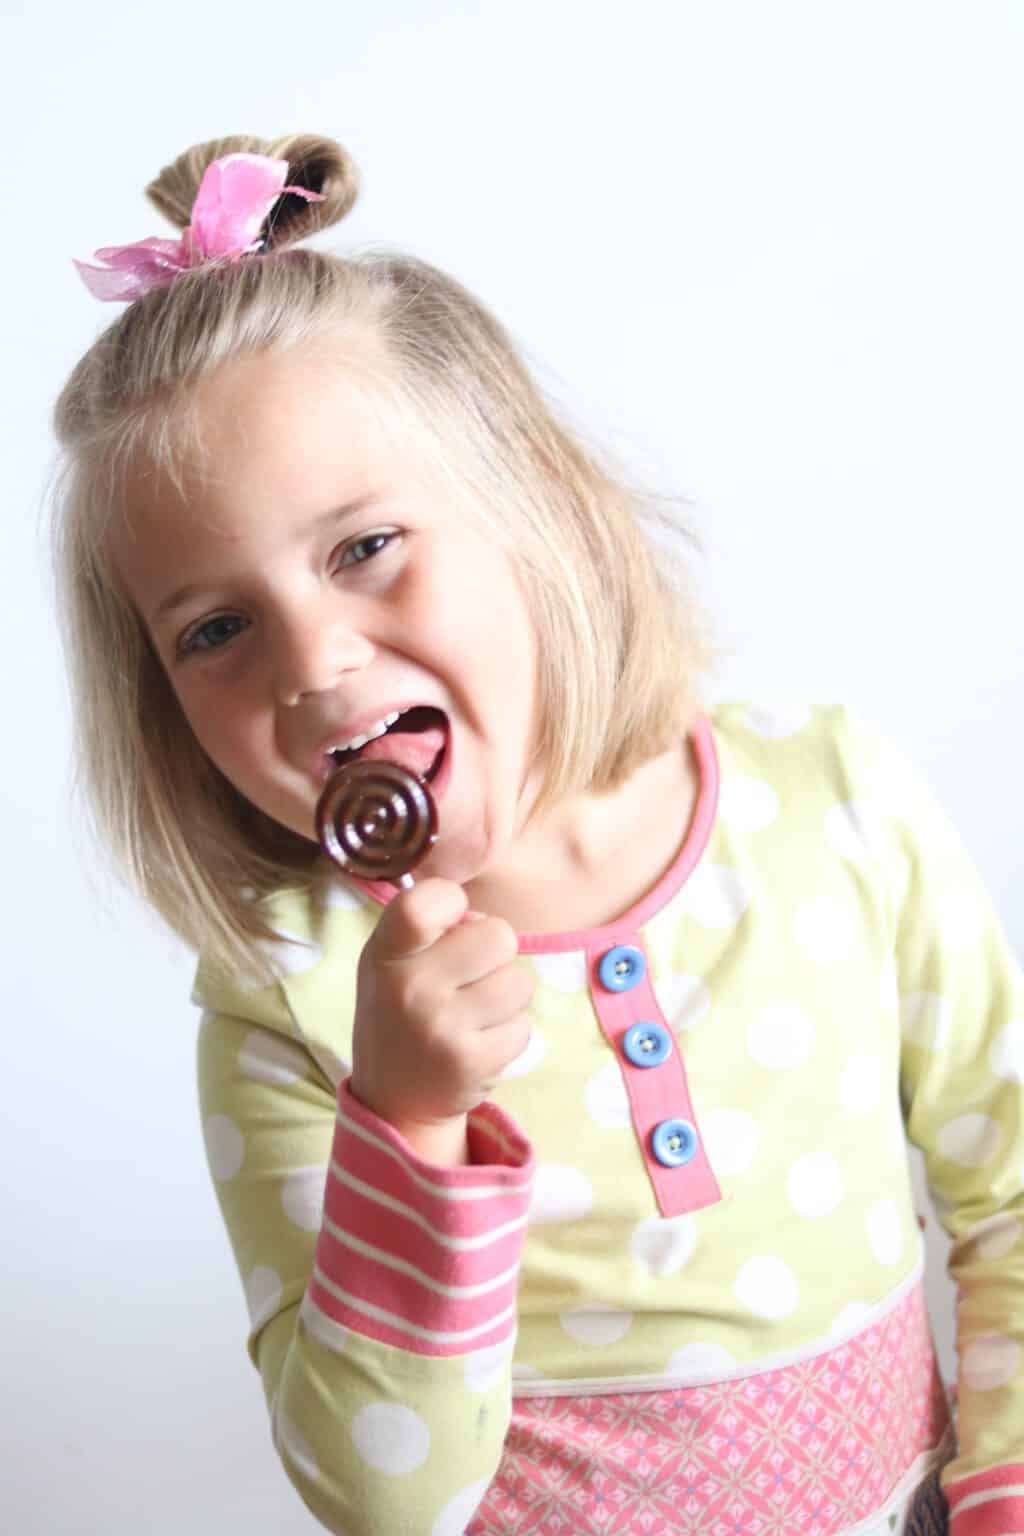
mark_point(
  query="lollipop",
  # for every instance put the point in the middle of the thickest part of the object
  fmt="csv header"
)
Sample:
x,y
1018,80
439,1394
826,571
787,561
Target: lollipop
x,y
376,820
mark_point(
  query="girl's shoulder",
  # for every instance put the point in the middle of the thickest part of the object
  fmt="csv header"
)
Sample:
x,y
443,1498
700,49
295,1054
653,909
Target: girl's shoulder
x,y
792,738
832,771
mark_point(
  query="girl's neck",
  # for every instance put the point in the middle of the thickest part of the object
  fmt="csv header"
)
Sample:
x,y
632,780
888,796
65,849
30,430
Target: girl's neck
x,y
592,858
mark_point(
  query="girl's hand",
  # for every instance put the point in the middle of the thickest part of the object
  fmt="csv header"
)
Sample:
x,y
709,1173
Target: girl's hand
x,y
440,1012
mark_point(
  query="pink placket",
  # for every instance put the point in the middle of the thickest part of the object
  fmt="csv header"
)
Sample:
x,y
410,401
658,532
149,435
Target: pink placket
x,y
652,1069
646,1048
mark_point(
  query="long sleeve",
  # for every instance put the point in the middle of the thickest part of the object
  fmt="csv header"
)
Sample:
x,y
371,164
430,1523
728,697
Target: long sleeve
x,y
961,996
381,1289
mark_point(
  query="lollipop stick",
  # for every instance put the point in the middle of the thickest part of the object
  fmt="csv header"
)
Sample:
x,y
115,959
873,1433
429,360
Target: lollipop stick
x,y
406,882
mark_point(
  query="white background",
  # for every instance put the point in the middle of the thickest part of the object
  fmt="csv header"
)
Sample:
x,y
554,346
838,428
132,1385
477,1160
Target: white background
x,y
773,254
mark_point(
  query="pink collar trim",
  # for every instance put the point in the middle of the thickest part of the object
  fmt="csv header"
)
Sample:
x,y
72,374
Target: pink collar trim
x,y
659,895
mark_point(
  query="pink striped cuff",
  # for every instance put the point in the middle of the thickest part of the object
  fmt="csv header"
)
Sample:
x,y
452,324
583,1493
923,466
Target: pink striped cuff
x,y
422,1257
987,1504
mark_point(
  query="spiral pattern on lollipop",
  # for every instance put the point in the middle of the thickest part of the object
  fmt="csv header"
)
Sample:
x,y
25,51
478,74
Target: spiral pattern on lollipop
x,y
375,819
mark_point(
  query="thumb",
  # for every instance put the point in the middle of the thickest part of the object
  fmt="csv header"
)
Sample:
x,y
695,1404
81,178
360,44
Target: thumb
x,y
415,919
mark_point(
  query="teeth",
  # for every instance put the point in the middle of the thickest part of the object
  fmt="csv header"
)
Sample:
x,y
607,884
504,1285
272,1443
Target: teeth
x,y
371,734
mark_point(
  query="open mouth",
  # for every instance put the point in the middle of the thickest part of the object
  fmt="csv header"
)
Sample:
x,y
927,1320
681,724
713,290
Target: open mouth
x,y
416,740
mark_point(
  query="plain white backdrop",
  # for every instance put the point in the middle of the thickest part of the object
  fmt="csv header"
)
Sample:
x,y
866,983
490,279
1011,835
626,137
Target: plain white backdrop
x,y
772,254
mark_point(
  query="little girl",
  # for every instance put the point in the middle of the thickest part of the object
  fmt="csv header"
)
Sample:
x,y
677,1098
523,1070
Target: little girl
x,y
568,1188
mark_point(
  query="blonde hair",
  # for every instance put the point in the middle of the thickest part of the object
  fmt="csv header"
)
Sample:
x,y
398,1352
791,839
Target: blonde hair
x,y
622,641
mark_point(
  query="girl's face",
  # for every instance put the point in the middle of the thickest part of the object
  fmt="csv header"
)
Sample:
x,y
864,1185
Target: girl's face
x,y
310,583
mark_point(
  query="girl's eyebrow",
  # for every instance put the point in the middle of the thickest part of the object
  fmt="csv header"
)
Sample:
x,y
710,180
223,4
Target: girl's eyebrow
x,y
332,516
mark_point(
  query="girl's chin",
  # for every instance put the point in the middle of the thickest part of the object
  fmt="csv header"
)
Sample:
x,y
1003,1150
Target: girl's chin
x,y
449,864
460,854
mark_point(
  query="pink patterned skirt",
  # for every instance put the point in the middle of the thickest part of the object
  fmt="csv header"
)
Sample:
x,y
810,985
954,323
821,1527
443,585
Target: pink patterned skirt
x,y
849,1441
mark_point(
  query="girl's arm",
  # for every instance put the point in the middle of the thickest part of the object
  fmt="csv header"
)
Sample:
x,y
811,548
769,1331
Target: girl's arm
x,y
381,1287
962,1088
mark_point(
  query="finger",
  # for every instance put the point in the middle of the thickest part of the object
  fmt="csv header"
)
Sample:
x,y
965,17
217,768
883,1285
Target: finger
x,y
470,951
415,919
494,999
496,1049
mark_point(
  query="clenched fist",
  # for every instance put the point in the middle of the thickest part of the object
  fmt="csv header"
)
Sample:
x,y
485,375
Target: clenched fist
x,y
440,1012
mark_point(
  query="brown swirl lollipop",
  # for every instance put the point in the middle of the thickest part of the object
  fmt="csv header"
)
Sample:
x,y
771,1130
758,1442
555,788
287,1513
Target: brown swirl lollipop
x,y
376,820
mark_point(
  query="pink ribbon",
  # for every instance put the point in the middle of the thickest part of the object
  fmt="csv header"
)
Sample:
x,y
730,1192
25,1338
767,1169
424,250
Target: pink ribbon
x,y
234,199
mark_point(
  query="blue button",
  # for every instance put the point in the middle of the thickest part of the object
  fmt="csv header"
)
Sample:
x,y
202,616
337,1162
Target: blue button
x,y
674,1142
647,1045
621,968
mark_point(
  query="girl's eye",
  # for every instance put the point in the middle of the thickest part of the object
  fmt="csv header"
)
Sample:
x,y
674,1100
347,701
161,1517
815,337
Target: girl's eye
x,y
364,548
211,634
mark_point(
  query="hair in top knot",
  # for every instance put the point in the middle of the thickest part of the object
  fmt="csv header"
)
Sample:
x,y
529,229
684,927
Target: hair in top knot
x,y
314,162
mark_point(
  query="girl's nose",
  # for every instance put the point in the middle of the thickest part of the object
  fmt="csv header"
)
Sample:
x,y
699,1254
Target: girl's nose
x,y
312,652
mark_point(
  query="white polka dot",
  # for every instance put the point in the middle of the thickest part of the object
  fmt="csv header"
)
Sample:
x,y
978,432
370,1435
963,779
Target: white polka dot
x,y
485,1367
565,972
263,1294
528,1059
290,954
731,1138
662,1245
291,1443
302,1196
780,1036
1006,1057
925,1019
823,929
391,1438
767,1287
339,893
606,1098
269,1059
990,1362
778,718
225,1146
458,1512
716,895
885,1231
852,1319
559,1194
995,1236
860,1083
748,803
813,1184
684,1000
596,1325
970,1140
700,1362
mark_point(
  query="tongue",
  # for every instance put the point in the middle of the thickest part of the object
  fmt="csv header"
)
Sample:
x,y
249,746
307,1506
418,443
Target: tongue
x,y
413,750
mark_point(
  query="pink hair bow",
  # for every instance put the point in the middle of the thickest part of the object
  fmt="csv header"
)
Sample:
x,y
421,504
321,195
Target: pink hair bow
x,y
234,199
